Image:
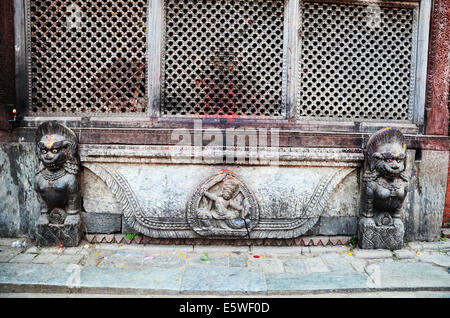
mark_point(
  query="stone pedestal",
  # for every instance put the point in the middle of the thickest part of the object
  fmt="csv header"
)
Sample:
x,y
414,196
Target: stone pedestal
x,y
68,233
373,236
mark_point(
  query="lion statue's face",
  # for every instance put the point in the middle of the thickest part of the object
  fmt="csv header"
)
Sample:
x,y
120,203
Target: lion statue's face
x,y
53,151
390,160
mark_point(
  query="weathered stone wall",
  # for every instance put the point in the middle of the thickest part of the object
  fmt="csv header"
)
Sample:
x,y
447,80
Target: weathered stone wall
x,y
19,206
426,197
102,213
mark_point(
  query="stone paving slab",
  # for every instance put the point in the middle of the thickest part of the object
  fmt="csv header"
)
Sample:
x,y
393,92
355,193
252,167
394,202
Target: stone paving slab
x,y
294,265
290,282
207,270
223,280
337,262
405,254
7,255
408,275
437,259
156,280
19,273
316,265
266,264
370,254
45,259
23,258
237,260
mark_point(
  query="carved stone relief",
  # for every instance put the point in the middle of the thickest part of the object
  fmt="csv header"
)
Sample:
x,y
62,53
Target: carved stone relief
x,y
171,201
222,206
58,185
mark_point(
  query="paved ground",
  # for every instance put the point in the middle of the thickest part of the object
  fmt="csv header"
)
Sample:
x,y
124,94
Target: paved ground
x,y
99,270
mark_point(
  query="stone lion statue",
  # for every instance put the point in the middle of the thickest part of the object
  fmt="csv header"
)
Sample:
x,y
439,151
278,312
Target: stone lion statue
x,y
384,189
58,183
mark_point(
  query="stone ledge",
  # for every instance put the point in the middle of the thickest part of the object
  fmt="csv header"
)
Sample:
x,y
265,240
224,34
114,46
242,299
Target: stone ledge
x,y
369,254
284,156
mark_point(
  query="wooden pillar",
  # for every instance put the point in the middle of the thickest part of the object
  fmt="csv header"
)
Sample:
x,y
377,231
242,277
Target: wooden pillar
x,y
7,59
438,76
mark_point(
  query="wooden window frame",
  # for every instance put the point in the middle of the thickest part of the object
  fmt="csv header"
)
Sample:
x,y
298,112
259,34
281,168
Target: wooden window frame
x,y
292,49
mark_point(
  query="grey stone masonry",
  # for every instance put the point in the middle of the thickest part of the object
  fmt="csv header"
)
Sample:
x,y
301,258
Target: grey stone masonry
x,y
223,270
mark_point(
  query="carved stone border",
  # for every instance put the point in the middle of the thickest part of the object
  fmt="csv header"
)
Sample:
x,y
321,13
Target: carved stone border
x,y
142,239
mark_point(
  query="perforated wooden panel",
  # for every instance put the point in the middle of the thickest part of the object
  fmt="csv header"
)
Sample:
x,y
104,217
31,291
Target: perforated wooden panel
x,y
88,56
223,58
355,62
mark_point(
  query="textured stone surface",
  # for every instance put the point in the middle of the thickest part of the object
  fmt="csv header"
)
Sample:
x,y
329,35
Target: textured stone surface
x,y
307,242
102,222
436,259
371,236
45,259
294,265
163,260
19,203
407,275
337,225
378,253
34,274
315,281
290,199
67,234
266,264
343,203
404,254
338,262
165,280
97,198
202,279
222,206
20,209
23,258
122,269
316,265
426,197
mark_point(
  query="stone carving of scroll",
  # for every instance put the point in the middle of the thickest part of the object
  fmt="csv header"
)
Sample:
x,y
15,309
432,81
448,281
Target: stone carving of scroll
x,y
58,184
223,206
384,190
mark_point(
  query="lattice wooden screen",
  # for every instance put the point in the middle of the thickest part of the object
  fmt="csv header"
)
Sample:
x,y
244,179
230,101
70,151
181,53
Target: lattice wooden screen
x,y
88,57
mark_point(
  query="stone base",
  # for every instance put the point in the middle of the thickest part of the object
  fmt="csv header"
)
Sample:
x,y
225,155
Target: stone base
x,y
372,236
68,234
